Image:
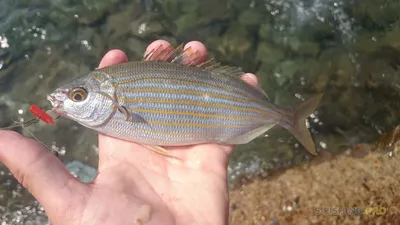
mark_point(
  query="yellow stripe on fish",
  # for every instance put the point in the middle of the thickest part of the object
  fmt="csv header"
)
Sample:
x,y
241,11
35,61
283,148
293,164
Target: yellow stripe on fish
x,y
177,91
188,102
198,125
171,112
176,80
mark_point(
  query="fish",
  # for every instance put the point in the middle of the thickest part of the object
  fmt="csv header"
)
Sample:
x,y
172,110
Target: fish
x,y
167,100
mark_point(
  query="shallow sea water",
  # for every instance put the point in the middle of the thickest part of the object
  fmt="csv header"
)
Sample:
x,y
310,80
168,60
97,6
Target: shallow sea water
x,y
349,50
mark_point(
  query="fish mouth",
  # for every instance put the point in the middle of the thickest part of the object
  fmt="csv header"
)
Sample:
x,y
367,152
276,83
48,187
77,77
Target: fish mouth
x,y
54,101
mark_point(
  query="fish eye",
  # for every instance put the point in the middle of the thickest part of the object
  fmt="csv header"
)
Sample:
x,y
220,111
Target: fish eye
x,y
78,94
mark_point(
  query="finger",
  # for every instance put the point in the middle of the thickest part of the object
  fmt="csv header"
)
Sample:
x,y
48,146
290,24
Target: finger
x,y
250,79
197,52
39,171
112,57
158,49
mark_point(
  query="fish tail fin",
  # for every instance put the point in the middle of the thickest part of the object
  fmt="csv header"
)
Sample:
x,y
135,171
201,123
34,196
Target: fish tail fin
x,y
299,128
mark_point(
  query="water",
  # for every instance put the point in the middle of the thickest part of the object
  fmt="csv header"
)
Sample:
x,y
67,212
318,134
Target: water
x,y
347,49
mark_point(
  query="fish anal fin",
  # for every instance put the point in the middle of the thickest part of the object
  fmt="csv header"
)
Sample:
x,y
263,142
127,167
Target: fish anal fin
x,y
249,136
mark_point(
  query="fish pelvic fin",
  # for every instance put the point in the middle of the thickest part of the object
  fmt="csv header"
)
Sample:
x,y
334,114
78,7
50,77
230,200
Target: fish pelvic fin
x,y
159,150
298,124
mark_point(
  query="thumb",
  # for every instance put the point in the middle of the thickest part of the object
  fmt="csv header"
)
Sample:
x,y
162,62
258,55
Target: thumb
x,y
39,171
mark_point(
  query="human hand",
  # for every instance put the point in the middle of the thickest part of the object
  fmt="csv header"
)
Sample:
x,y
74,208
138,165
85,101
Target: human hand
x,y
134,185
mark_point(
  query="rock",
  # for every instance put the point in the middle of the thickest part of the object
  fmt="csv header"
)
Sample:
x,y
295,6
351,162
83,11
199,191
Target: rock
x,y
266,31
83,172
268,53
285,71
308,49
118,23
137,46
185,23
250,17
211,10
233,44
5,113
145,27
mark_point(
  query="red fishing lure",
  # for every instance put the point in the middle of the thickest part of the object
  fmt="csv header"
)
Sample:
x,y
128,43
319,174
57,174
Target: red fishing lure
x,y
42,115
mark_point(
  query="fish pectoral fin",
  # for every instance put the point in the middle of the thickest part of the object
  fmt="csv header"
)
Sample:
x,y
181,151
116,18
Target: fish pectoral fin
x,y
249,136
136,118
158,149
129,116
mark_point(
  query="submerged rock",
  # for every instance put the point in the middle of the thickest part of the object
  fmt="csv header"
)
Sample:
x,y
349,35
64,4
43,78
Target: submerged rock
x,y
83,172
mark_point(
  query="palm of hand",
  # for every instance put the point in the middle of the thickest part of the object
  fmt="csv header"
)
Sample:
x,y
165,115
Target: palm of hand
x,y
167,191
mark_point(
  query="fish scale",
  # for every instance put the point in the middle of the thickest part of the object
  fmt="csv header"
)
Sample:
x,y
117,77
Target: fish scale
x,y
158,103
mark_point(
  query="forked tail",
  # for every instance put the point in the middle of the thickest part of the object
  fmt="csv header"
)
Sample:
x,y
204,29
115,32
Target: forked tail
x,y
298,124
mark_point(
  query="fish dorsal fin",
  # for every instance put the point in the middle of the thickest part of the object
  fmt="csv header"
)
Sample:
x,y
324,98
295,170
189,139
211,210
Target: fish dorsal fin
x,y
189,57
263,92
215,67
176,55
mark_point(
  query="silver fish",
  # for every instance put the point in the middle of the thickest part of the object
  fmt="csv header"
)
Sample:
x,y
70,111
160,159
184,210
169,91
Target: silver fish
x,y
158,103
